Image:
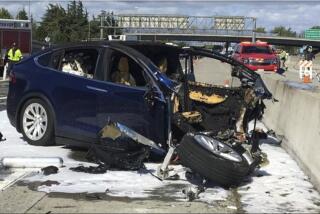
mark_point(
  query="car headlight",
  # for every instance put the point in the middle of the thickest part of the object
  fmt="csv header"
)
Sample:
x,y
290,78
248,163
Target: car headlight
x,y
245,60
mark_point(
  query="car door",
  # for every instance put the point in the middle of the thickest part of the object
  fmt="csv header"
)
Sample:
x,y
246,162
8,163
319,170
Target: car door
x,y
76,103
141,107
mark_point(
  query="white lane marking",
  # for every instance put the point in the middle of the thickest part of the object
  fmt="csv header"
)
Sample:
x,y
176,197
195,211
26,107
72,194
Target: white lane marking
x,y
3,98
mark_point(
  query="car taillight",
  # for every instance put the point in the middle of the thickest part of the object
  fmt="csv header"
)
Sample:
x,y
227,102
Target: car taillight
x,y
12,77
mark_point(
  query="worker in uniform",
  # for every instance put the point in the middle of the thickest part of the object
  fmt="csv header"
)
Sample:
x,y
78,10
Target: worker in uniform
x,y
14,55
283,55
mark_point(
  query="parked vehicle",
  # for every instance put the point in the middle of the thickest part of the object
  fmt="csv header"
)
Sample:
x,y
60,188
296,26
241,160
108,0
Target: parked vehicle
x,y
257,56
83,94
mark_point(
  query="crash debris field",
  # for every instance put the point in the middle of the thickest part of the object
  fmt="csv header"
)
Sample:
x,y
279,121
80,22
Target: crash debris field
x,y
278,186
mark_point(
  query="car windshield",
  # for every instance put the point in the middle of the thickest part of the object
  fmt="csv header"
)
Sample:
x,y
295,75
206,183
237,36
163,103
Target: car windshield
x,y
256,49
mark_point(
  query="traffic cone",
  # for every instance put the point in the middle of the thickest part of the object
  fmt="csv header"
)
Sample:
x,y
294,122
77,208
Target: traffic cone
x,y
306,78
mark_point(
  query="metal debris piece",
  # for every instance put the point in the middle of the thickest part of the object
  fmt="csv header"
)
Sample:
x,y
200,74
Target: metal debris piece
x,y
31,162
115,130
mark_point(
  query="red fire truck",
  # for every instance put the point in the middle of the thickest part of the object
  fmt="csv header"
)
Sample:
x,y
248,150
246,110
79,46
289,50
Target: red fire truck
x,y
13,30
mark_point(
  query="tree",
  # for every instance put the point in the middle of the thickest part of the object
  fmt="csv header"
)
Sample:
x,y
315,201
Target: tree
x,y
283,31
22,15
5,14
77,21
261,30
53,24
286,32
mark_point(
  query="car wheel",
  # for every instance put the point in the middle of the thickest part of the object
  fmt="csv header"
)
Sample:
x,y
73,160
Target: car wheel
x,y
36,122
212,159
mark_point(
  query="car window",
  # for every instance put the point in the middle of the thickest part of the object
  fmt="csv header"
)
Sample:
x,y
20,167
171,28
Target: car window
x,y
213,71
122,69
45,59
81,62
256,49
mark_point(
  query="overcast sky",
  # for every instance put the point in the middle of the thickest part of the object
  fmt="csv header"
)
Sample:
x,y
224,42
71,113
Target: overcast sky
x,y
299,15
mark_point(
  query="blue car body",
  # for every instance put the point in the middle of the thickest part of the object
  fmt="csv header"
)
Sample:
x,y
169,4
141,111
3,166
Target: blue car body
x,y
81,106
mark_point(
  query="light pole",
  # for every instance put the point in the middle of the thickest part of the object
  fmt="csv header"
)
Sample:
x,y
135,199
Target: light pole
x,y
102,18
254,29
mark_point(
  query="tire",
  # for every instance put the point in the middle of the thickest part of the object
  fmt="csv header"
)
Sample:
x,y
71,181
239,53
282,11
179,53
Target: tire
x,y
36,123
219,169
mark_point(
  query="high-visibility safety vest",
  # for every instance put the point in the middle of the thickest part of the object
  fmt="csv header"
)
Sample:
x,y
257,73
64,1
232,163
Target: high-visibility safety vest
x,y
14,56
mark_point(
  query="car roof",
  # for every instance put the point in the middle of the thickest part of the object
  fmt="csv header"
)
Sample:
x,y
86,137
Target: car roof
x,y
114,43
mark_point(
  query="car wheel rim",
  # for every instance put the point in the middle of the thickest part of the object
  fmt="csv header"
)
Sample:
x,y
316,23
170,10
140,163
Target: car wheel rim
x,y
218,148
35,121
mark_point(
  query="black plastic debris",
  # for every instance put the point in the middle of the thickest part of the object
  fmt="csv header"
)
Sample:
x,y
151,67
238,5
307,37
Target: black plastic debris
x,y
121,153
49,183
50,170
1,137
120,148
100,169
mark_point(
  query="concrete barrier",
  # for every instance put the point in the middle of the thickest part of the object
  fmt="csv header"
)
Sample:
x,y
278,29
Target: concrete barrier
x,y
297,117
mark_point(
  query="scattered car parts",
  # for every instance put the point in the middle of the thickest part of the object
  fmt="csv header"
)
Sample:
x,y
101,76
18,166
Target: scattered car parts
x,y
31,162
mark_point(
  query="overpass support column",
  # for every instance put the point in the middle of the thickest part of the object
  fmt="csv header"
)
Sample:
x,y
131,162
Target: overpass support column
x,y
254,30
227,45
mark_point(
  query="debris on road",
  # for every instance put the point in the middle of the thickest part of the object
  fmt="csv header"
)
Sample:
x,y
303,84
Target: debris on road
x,y
31,162
50,170
192,193
1,137
100,169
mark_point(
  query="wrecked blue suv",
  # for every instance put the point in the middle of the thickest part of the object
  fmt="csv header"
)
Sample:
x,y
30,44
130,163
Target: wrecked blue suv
x,y
68,94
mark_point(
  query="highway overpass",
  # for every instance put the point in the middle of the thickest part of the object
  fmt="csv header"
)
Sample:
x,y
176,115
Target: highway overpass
x,y
288,41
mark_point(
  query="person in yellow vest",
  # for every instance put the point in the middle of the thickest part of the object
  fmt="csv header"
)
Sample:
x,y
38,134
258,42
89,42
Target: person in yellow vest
x,y
14,55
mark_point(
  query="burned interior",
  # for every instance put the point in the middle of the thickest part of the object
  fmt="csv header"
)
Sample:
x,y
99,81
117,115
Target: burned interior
x,y
214,116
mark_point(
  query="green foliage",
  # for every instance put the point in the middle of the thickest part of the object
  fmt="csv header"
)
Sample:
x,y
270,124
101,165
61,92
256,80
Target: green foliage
x,y
71,24
261,30
315,27
22,15
283,31
64,25
5,14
